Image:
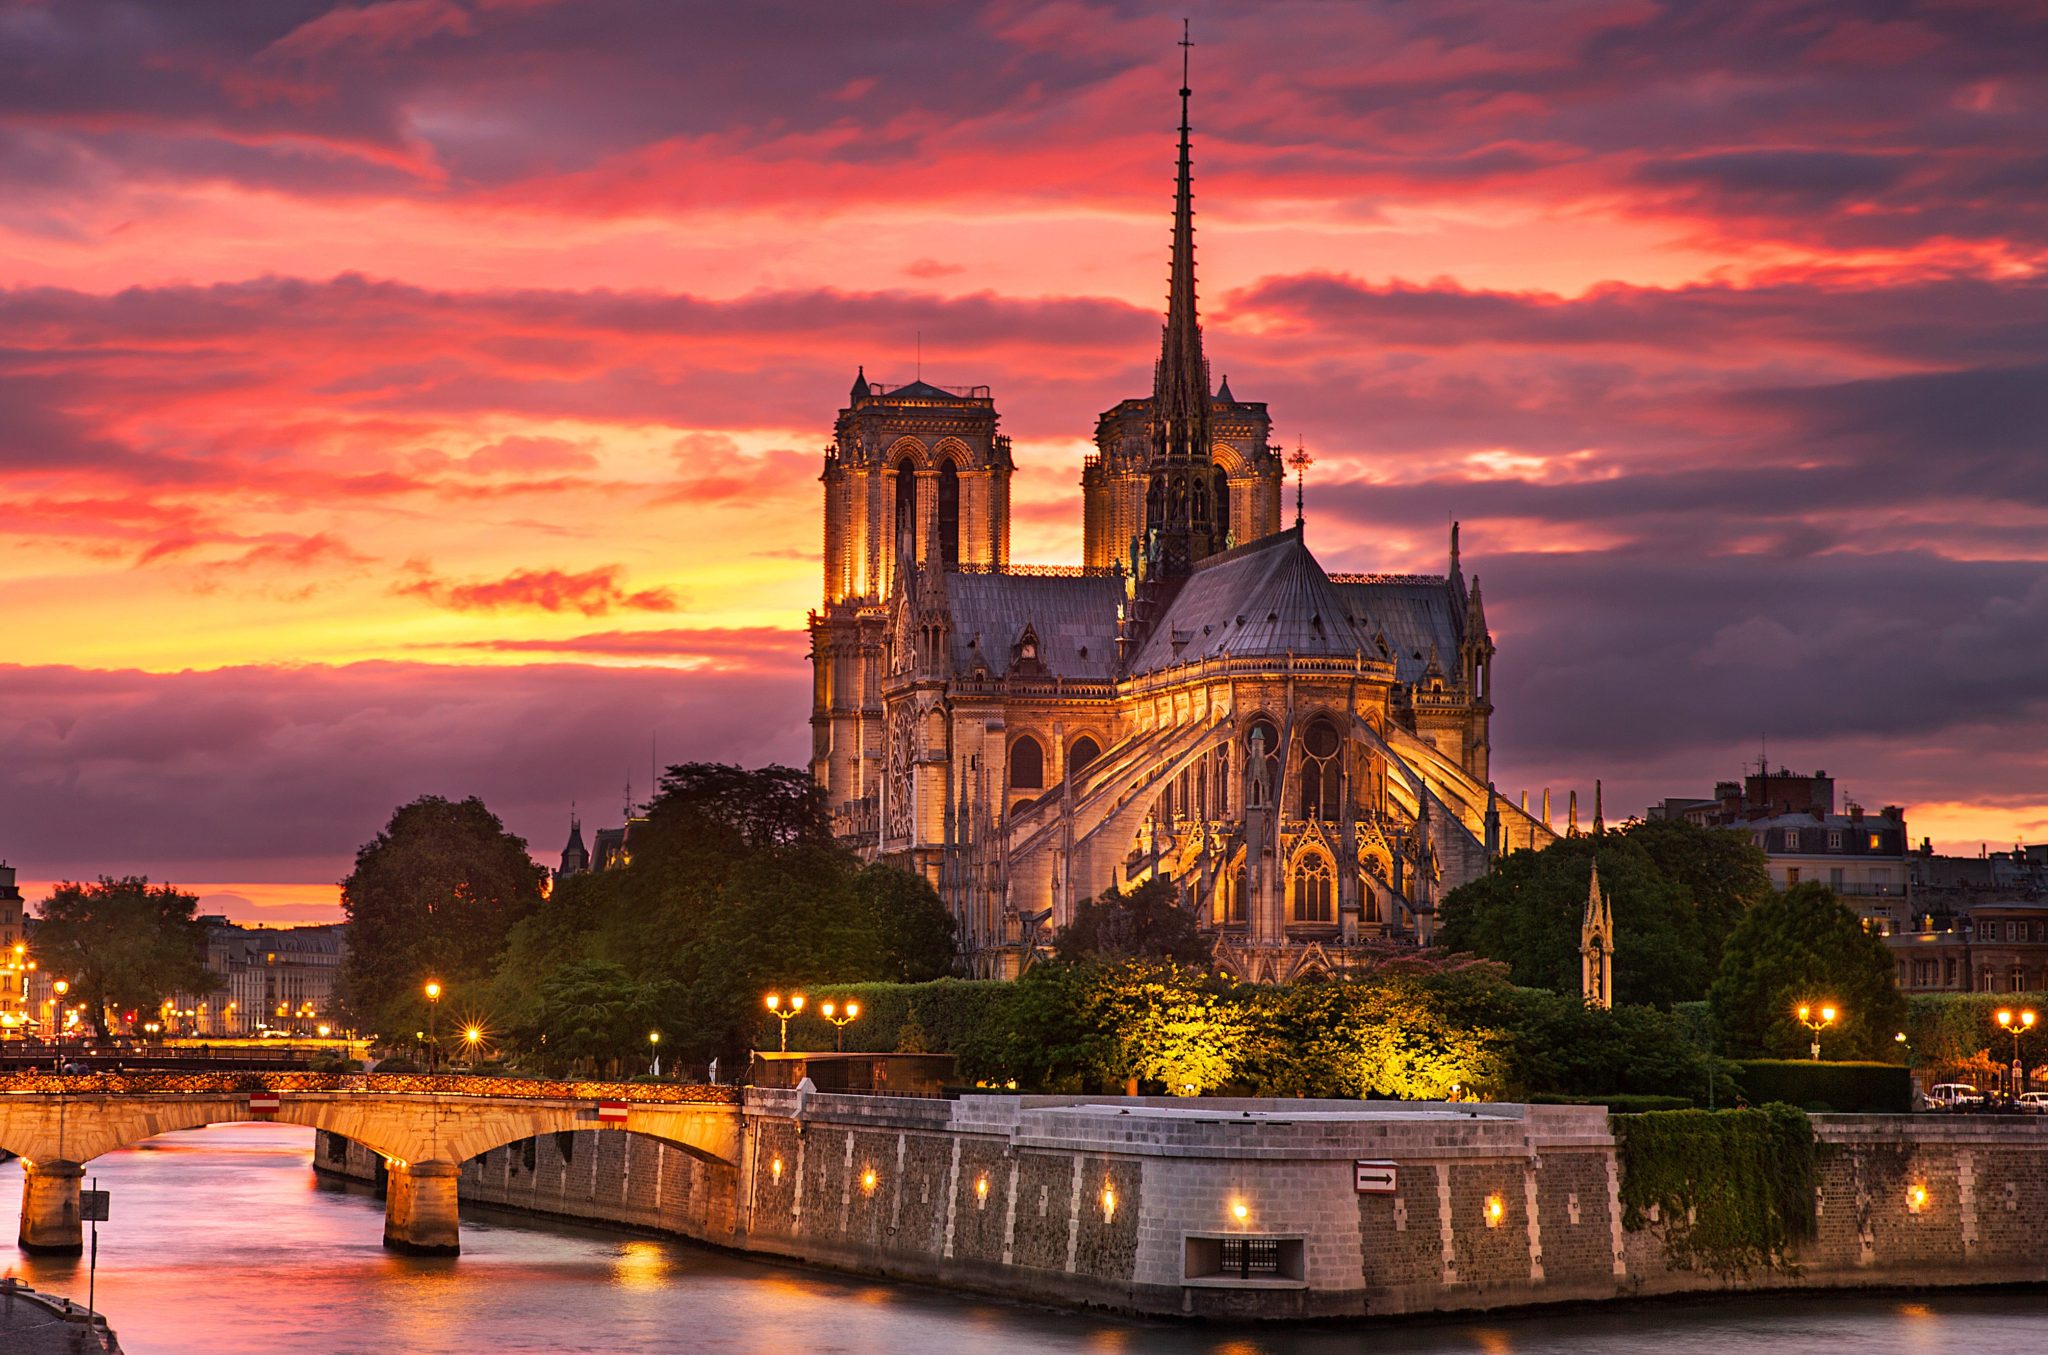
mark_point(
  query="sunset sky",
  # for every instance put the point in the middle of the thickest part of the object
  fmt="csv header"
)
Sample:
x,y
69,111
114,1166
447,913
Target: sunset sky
x,y
426,395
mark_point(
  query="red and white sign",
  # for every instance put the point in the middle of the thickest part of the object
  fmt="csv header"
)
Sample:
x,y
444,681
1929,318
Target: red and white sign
x,y
263,1103
612,1112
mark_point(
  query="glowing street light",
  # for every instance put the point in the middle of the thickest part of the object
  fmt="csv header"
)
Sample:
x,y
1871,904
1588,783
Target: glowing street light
x,y
1816,1020
2018,1023
654,1050
785,1012
839,1020
433,1006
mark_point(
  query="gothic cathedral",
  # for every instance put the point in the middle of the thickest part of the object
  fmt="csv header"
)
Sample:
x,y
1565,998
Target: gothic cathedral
x,y
1303,754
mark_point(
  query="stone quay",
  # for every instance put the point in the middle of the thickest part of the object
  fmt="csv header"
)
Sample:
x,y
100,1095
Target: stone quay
x,y
1262,1209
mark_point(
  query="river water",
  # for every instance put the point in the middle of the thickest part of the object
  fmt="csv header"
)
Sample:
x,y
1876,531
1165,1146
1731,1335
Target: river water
x,y
222,1241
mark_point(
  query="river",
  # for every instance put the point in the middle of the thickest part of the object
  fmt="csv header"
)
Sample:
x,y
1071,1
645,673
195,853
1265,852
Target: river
x,y
222,1241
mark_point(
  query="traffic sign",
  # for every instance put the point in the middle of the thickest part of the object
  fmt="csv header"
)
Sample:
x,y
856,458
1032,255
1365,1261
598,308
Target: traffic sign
x,y
1373,1178
92,1206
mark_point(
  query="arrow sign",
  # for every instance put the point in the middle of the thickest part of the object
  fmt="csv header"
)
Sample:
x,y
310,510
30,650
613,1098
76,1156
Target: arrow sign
x,y
1373,1178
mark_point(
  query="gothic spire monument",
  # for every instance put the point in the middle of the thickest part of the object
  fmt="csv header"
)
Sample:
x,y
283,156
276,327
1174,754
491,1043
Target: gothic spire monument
x,y
1596,946
1303,755
1180,525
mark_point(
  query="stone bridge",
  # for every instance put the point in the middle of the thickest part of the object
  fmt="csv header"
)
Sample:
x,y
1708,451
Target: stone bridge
x,y
424,1126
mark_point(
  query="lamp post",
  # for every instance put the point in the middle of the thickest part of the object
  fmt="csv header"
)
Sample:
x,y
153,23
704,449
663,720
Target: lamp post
x,y
2018,1024
433,1007
472,1038
1816,1021
785,1012
654,1051
839,1019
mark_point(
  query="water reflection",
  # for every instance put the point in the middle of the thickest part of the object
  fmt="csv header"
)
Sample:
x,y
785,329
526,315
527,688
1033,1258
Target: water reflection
x,y
223,1241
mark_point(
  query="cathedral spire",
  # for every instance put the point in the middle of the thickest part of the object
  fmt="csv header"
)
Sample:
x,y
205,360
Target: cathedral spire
x,y
1177,518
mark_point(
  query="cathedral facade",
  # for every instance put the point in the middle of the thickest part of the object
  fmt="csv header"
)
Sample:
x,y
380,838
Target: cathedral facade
x,y
1303,754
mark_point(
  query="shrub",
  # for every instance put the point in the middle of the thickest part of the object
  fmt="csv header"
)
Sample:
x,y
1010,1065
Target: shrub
x,y
1622,1103
398,1065
1848,1088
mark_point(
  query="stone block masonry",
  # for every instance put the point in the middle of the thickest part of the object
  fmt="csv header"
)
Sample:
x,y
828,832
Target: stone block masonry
x,y
1251,1208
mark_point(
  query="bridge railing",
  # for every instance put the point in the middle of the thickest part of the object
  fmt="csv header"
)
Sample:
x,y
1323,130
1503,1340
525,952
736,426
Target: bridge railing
x,y
438,1084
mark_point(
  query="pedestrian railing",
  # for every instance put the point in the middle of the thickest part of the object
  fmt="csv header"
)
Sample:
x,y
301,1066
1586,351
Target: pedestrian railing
x,y
409,1084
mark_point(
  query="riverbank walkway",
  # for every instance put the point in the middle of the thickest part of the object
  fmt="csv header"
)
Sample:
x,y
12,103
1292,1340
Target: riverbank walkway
x,y
43,1324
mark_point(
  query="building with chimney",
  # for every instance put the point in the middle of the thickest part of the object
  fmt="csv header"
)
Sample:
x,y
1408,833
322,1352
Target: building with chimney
x,y
1303,754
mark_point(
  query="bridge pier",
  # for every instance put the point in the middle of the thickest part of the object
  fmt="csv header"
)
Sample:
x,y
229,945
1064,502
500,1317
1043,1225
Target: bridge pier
x,y
420,1216
49,1208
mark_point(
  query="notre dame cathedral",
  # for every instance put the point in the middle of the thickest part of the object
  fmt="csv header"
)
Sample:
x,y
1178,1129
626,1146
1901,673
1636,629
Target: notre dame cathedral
x,y
1303,754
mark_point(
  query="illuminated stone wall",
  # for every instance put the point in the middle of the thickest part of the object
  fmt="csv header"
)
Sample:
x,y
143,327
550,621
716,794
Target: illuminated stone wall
x,y
1128,1204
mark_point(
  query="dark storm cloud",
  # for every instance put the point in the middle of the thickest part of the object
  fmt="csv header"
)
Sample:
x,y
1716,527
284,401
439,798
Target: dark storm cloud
x,y
169,773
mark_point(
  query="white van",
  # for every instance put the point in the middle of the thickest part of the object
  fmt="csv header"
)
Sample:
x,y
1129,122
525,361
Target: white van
x,y
1953,1096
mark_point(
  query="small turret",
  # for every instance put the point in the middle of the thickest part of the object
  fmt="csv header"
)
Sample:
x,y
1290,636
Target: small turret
x,y
860,387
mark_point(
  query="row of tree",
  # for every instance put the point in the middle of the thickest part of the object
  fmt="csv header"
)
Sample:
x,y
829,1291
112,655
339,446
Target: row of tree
x,y
1695,919
733,886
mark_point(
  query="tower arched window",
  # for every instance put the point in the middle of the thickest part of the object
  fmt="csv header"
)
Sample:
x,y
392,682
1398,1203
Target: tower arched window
x,y
949,514
1027,764
1221,489
1314,888
1081,752
906,511
1322,780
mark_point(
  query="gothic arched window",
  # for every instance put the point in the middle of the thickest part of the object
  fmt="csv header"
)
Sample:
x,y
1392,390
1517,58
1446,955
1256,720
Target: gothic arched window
x,y
1027,764
1322,782
1080,753
906,511
949,514
1222,491
1314,888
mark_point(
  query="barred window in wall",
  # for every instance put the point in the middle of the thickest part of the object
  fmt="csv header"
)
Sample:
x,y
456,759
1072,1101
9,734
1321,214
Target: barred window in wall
x,y
1321,771
1314,885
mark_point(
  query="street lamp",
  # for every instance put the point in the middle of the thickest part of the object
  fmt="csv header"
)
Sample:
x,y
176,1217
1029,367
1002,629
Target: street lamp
x,y
1816,1021
785,1012
2018,1024
654,1049
839,1020
433,1006
472,1036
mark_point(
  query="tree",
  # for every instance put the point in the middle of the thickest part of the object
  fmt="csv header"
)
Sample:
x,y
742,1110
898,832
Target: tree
x,y
596,1014
1146,924
124,944
1184,1028
912,931
434,895
1678,889
1805,946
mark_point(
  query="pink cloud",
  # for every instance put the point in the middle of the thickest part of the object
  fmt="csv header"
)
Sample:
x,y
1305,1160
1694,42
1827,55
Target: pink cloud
x,y
592,592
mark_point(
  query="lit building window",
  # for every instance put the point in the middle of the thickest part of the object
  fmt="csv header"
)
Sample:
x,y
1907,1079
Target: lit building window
x,y
1314,886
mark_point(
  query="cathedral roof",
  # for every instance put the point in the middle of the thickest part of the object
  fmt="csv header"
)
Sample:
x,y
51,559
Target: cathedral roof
x,y
1074,619
1270,597
1416,613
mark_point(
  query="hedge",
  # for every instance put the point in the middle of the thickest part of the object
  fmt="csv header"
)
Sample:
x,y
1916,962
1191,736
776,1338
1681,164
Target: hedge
x,y
1632,1103
1848,1088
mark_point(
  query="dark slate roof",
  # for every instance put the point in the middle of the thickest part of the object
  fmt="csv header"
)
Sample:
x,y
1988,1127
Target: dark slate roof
x,y
1270,597
1069,615
1413,613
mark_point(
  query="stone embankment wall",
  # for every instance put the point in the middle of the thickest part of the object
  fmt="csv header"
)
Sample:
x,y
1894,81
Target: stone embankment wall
x,y
1252,1208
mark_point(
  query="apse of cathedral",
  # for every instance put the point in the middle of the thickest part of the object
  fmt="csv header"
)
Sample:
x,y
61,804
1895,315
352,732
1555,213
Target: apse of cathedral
x,y
1303,754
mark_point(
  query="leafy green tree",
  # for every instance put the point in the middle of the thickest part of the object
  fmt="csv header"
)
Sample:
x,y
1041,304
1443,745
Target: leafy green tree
x,y
124,944
1677,889
911,931
596,1016
1147,923
1805,946
434,895
1397,1035
1183,1028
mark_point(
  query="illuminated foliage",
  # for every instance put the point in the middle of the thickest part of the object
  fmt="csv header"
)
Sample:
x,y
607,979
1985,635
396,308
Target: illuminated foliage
x,y
1406,1036
1181,1028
